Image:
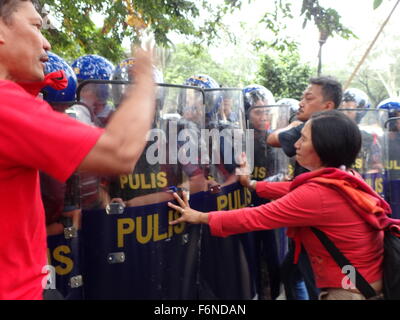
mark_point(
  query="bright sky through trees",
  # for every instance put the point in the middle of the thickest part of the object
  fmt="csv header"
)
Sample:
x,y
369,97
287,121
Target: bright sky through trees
x,y
357,15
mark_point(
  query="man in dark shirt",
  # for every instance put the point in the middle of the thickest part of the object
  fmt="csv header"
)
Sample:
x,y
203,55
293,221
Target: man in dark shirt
x,y
322,94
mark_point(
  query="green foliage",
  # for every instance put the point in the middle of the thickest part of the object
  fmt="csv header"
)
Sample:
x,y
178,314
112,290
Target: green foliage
x,y
377,3
285,76
379,75
188,60
327,20
367,81
275,22
78,34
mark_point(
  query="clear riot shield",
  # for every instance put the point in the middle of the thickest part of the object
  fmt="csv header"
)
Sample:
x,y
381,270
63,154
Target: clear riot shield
x,y
227,264
372,157
270,164
392,185
61,203
130,250
225,128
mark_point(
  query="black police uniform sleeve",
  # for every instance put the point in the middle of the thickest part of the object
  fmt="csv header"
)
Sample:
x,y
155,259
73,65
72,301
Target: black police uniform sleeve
x,y
288,138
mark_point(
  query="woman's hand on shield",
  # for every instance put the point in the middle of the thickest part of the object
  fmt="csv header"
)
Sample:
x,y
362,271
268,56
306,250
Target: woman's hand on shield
x,y
244,173
187,214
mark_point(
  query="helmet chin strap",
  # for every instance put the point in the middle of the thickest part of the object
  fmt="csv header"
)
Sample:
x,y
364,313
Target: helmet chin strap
x,y
57,80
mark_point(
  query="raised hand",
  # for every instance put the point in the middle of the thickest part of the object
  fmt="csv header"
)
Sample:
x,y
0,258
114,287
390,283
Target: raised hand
x,y
244,172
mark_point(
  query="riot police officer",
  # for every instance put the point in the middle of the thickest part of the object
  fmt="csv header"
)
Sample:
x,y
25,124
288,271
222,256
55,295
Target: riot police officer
x,y
256,101
52,191
149,183
193,112
355,104
259,105
62,200
95,96
392,142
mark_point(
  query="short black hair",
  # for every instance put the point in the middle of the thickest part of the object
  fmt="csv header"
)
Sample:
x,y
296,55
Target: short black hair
x,y
8,7
336,138
331,89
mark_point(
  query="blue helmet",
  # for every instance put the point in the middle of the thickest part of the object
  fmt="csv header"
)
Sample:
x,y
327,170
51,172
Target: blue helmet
x,y
68,94
393,107
257,95
202,81
123,71
92,67
391,104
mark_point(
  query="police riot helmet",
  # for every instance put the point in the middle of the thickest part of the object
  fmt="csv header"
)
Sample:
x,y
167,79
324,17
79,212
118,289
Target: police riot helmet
x,y
202,81
56,63
257,96
360,100
393,107
92,67
391,104
123,72
358,96
293,104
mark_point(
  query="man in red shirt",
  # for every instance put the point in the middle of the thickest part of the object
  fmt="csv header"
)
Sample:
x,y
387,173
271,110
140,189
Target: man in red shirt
x,y
33,138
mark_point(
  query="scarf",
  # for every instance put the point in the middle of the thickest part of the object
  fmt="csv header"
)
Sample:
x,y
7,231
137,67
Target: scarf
x,y
57,80
363,199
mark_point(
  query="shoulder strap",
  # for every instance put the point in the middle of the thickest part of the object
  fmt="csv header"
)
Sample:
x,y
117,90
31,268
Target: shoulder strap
x,y
362,285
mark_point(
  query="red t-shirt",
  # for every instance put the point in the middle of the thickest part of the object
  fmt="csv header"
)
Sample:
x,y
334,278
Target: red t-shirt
x,y
32,138
311,204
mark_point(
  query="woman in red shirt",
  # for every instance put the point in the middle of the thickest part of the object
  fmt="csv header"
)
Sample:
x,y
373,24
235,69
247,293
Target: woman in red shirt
x,y
329,198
